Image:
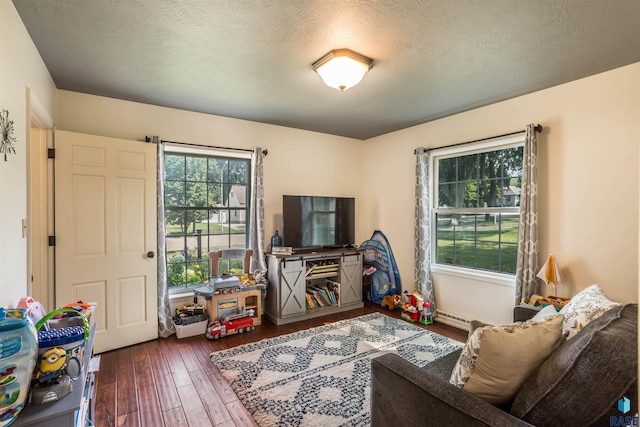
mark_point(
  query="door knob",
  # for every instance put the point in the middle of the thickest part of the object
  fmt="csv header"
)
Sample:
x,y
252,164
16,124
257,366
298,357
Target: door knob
x,y
150,254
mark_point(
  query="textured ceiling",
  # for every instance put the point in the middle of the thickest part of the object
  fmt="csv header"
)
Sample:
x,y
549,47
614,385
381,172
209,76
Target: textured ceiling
x,y
252,59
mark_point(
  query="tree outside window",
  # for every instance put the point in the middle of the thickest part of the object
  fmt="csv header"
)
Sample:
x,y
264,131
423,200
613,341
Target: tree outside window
x,y
477,209
206,209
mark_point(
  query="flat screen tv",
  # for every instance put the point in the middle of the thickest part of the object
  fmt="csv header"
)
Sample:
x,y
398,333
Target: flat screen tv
x,y
318,222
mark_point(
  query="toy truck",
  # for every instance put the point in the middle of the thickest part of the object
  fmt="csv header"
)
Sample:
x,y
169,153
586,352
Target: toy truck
x,y
232,324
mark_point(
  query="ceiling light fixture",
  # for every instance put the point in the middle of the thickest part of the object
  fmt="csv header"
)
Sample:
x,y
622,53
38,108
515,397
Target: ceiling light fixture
x,y
342,68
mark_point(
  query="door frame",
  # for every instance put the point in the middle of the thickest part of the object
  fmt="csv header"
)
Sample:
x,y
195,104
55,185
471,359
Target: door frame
x,y
39,223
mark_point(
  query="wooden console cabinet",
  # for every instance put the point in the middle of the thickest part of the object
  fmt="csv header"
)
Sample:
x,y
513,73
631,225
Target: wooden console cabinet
x,y
293,277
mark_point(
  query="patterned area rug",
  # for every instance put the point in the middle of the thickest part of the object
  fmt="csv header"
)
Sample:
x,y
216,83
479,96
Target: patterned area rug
x,y
322,376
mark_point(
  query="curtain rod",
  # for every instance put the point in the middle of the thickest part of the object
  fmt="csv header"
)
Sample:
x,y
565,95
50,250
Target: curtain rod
x,y
149,139
537,128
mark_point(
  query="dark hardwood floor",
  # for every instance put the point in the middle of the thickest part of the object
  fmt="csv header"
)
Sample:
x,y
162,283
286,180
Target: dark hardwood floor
x,y
171,382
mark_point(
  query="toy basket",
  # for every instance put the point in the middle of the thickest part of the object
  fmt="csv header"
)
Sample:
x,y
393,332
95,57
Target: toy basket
x,y
70,339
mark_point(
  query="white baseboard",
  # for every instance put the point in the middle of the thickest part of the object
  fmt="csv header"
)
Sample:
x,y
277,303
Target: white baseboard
x,y
453,319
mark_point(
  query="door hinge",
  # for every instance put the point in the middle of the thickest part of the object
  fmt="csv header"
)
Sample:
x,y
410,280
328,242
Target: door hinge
x,y
51,153
52,240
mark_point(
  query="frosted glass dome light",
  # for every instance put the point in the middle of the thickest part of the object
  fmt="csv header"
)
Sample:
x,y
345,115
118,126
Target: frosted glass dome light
x,y
342,68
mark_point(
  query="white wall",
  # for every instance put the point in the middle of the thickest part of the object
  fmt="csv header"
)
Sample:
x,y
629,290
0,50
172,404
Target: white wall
x,y
298,161
588,186
588,175
22,76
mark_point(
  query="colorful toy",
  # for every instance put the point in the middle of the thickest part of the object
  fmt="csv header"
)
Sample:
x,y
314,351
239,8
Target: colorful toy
x,y
232,324
53,376
219,286
405,297
52,365
426,317
412,308
391,302
60,351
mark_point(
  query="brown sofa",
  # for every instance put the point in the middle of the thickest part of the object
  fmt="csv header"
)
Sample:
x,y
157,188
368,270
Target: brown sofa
x,y
580,384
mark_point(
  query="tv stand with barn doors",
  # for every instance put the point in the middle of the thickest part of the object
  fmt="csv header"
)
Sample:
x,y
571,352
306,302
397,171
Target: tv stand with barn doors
x,y
314,284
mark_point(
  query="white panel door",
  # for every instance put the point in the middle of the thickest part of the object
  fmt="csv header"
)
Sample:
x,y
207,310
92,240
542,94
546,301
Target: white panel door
x,y
105,198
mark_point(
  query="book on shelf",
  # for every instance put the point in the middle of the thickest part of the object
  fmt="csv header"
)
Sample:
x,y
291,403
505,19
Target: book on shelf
x,y
332,296
334,288
310,302
315,298
322,294
323,297
326,296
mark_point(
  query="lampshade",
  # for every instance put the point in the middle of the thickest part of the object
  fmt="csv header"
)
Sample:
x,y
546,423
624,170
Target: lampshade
x,y
550,273
342,68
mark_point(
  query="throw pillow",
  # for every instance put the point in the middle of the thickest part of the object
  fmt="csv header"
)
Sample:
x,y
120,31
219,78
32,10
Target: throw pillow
x,y
587,305
475,324
496,360
580,383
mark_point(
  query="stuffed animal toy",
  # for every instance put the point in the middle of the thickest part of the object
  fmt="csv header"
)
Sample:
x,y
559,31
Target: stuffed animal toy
x,y
390,301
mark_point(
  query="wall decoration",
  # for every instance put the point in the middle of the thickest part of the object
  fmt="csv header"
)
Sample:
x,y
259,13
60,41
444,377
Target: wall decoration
x,y
6,133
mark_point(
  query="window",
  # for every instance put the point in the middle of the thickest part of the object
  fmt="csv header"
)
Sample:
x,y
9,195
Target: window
x,y
206,209
476,205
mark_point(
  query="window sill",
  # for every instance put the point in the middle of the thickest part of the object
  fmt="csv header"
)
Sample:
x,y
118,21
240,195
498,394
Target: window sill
x,y
477,275
180,295
176,293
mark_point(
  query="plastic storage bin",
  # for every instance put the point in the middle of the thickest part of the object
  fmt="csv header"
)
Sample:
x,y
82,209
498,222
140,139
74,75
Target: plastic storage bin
x,y
192,329
18,353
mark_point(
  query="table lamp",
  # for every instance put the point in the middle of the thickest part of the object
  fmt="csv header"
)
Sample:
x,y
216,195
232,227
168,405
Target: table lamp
x,y
550,273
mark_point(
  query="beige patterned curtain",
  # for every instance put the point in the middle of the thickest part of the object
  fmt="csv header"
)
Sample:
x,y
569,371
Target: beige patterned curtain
x,y
527,263
256,213
422,237
165,322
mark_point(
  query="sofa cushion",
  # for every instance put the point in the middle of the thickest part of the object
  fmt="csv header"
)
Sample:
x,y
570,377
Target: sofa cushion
x,y
585,306
580,383
496,360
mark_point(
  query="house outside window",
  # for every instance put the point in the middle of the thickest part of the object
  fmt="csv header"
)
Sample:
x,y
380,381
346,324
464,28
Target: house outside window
x,y
476,204
206,209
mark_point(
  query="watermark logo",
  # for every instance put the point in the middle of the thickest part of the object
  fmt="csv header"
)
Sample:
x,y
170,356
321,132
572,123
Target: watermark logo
x,y
624,406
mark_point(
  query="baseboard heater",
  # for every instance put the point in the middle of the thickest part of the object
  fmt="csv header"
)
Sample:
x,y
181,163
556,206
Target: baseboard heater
x,y
452,319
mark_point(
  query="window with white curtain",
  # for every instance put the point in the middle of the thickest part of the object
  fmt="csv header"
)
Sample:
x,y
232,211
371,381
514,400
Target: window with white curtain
x,y
476,204
207,195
